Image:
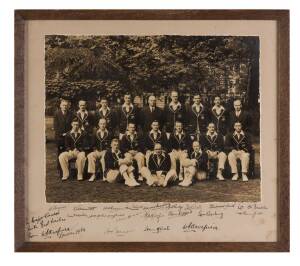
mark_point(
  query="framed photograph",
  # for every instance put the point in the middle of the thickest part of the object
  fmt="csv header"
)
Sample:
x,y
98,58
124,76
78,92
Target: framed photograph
x,y
152,130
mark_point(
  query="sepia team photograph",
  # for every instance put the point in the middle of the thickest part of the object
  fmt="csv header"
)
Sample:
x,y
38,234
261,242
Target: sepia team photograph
x,y
164,118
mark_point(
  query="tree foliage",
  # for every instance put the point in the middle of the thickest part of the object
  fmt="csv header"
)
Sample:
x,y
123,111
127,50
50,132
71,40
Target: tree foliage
x,y
76,65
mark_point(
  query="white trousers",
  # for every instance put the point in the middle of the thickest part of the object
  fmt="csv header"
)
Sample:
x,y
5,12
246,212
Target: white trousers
x,y
147,156
191,171
139,158
243,156
221,156
68,155
92,158
176,155
158,178
113,174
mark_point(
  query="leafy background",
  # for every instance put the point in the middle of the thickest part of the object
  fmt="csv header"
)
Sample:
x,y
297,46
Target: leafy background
x,y
91,66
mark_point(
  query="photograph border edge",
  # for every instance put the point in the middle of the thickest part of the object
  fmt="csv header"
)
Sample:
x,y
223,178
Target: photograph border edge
x,y
283,139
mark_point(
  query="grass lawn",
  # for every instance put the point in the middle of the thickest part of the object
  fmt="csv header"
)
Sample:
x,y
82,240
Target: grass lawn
x,y
98,191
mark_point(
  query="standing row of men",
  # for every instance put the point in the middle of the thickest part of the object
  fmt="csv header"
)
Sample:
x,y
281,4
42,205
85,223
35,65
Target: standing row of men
x,y
191,136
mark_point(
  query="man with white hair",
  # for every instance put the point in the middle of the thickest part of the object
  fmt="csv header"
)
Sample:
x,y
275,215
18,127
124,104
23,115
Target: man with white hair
x,y
195,165
159,172
239,115
62,124
100,143
151,113
119,168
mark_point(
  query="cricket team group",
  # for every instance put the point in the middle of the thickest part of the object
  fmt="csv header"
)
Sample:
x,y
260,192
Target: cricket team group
x,y
132,145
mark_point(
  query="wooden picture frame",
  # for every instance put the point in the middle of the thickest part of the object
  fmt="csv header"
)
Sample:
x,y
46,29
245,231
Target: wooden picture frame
x,y
282,19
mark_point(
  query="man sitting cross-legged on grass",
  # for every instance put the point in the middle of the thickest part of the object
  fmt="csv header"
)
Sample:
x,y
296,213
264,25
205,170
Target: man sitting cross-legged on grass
x,y
239,146
159,172
75,143
213,144
195,165
119,168
179,143
131,144
100,143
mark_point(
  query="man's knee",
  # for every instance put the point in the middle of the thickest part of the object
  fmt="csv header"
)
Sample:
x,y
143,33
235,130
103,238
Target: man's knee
x,y
81,156
245,155
192,170
63,156
222,156
139,156
91,156
231,156
145,171
123,168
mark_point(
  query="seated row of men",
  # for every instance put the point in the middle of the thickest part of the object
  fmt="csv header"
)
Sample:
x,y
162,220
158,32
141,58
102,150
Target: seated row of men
x,y
154,155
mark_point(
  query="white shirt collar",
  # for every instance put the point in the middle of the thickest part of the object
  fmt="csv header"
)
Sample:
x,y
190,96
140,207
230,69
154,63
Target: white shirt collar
x,y
116,152
78,132
130,105
79,112
200,151
201,105
214,134
152,131
162,154
101,109
177,133
127,133
99,131
215,107
241,133
178,104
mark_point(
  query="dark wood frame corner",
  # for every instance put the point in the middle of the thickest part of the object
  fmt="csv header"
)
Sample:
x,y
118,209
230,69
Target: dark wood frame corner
x,y
282,19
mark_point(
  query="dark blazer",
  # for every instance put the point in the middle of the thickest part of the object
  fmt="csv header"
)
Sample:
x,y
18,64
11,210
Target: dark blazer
x,y
111,160
124,118
147,117
80,142
164,165
127,144
99,143
184,143
149,141
87,122
110,118
62,124
233,143
197,121
201,158
244,118
171,116
215,143
220,120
